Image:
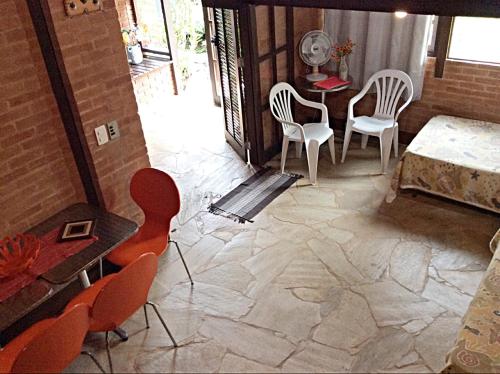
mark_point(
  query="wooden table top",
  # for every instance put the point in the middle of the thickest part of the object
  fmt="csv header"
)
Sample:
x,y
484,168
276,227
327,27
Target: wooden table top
x,y
111,230
303,83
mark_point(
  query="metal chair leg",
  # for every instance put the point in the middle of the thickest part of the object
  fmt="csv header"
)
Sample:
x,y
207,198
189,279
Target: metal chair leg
x,y
92,357
121,333
146,315
101,274
155,307
183,261
109,353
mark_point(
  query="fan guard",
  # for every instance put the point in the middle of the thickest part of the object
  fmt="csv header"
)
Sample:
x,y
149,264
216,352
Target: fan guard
x,y
315,50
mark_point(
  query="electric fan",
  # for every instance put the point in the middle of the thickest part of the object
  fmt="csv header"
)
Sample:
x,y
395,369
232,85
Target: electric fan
x,y
315,50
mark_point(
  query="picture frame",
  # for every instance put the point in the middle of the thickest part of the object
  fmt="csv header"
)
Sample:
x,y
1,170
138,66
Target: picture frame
x,y
77,230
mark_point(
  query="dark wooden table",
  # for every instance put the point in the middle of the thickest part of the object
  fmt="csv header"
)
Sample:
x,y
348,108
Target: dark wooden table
x,y
304,84
111,230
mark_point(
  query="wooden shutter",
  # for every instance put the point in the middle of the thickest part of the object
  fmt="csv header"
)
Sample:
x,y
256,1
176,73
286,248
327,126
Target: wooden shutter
x,y
231,75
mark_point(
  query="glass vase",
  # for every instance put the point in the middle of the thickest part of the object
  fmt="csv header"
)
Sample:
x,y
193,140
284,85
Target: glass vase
x,y
343,69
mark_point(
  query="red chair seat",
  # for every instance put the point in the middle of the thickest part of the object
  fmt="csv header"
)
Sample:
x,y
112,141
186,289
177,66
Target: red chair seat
x,y
156,193
116,297
87,297
136,246
9,354
48,346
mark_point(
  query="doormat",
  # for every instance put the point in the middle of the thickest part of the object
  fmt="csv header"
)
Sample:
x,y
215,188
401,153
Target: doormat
x,y
250,197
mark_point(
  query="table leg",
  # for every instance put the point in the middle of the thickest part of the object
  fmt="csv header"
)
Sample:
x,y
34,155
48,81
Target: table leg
x,y
84,279
323,96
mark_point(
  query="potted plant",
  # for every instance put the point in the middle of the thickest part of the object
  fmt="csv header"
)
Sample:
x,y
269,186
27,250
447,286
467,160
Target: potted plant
x,y
341,51
132,46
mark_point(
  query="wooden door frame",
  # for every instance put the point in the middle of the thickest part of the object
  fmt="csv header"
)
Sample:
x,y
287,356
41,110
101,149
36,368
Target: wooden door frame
x,y
241,149
253,121
210,54
252,59
252,111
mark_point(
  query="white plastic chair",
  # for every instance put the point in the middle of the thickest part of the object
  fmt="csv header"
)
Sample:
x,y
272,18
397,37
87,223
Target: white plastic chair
x,y
383,124
312,134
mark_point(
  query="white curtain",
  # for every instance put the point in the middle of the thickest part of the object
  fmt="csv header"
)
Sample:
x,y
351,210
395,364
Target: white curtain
x,y
383,41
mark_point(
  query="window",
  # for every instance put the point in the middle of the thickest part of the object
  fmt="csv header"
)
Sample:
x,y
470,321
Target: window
x,y
151,17
475,39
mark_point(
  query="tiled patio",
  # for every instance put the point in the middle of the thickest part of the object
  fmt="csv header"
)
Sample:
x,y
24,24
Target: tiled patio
x,y
327,278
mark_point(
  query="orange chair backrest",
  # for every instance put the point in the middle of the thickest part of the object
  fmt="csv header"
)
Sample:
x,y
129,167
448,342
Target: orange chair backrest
x,y
125,293
57,345
156,193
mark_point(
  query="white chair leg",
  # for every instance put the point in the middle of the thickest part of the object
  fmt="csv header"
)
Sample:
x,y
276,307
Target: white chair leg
x,y
364,141
298,149
385,148
347,139
331,145
312,149
284,151
395,140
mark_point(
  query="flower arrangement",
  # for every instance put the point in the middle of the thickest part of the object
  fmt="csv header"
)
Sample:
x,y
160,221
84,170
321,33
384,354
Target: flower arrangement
x,y
342,50
132,38
134,35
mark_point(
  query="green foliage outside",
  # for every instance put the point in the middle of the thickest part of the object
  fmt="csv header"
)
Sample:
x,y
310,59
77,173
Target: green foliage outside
x,y
189,29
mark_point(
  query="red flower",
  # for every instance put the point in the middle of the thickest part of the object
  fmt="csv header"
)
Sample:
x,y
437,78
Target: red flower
x,y
342,49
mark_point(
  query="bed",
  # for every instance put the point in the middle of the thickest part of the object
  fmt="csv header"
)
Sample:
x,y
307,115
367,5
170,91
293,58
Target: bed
x,y
477,347
453,157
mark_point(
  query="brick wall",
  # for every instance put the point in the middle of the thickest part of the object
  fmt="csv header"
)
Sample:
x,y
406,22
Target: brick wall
x,y
466,90
154,86
96,63
125,13
38,175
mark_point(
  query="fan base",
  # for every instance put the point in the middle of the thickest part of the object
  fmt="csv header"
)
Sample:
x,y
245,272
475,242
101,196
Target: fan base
x,y
315,77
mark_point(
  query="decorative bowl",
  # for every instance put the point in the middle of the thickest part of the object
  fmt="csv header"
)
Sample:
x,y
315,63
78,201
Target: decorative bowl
x,y
18,254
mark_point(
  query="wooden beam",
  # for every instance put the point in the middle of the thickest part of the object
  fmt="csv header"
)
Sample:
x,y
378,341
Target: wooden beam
x,y
443,36
270,54
44,29
251,78
227,4
272,38
290,42
477,8
275,136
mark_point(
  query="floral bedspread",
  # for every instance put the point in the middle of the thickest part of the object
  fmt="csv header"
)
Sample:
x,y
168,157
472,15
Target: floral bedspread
x,y
453,157
477,349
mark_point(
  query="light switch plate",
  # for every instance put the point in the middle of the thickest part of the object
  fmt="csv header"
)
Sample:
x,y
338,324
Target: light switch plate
x,y
113,130
101,135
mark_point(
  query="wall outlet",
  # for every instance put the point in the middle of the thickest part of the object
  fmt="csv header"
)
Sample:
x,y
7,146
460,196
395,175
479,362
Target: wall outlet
x,y
101,135
113,130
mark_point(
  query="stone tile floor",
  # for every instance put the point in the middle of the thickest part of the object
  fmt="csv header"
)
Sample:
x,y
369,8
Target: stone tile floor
x,y
327,278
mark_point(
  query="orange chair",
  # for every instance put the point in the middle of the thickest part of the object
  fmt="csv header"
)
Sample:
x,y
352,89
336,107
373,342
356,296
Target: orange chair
x,y
158,196
48,346
114,298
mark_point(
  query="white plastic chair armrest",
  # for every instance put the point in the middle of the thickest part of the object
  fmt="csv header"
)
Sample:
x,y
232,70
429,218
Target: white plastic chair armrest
x,y
354,100
294,124
401,109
